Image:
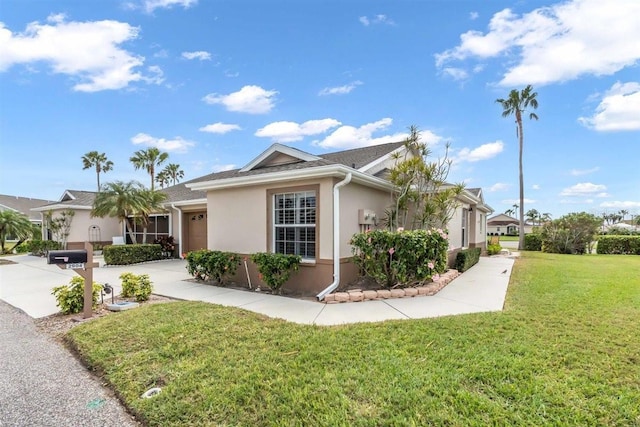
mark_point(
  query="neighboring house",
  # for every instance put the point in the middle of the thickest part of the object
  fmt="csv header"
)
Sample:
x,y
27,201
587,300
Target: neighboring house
x,y
83,227
289,201
504,225
24,205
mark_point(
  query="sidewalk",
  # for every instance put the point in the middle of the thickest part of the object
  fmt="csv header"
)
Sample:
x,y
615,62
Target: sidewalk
x,y
482,288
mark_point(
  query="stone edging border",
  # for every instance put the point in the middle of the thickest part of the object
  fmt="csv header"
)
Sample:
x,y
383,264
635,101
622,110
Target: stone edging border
x,y
357,295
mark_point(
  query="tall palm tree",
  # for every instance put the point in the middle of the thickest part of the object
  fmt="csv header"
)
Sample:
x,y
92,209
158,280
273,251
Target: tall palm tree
x,y
533,215
97,160
163,179
174,172
148,160
120,200
14,224
152,203
517,103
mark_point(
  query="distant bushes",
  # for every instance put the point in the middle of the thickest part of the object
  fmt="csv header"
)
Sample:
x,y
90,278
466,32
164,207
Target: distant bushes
x,y
532,242
467,258
131,254
619,245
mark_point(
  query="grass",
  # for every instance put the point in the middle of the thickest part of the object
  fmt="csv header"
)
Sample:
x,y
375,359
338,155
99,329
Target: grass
x,y
508,238
565,351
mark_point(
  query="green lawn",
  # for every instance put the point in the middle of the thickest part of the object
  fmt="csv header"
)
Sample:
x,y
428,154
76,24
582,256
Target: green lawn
x,y
566,351
508,238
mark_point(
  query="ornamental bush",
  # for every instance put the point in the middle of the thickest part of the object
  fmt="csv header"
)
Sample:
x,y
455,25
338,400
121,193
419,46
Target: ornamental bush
x,y
570,234
131,254
619,245
134,286
41,247
70,298
402,257
494,249
212,265
276,269
532,242
467,258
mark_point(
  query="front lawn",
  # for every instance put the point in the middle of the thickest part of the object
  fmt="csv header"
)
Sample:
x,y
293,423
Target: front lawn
x,y
566,351
509,238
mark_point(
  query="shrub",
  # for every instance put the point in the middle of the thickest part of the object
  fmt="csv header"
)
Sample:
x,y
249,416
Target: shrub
x,y
212,265
532,242
131,254
570,234
619,245
138,287
467,258
276,268
494,249
400,257
41,247
70,298
168,245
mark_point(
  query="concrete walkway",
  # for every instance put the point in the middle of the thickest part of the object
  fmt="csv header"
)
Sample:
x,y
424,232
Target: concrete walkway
x,y
28,283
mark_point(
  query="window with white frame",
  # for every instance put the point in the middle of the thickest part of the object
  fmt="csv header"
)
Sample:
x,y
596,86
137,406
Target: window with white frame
x,y
157,227
465,221
294,224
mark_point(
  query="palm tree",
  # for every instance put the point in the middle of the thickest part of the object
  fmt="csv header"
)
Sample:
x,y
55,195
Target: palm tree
x,y
510,212
516,104
14,224
162,178
97,160
174,172
120,200
545,217
148,160
533,215
152,203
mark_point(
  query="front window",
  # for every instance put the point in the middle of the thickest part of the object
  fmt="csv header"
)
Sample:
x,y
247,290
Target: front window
x,y
294,224
157,227
465,220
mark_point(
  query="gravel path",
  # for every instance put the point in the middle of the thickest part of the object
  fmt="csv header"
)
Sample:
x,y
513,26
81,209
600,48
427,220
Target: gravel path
x,y
42,384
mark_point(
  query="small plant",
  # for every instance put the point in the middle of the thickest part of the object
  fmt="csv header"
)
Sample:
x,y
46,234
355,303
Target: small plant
x,y
134,286
167,244
493,249
212,265
276,268
70,298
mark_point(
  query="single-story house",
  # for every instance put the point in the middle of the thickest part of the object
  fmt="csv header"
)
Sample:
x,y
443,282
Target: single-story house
x,y
287,201
23,205
504,225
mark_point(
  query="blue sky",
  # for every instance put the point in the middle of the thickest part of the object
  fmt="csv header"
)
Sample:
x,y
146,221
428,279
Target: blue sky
x,y
214,83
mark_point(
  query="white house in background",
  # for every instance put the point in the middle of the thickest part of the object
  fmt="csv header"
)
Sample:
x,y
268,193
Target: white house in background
x,y
504,225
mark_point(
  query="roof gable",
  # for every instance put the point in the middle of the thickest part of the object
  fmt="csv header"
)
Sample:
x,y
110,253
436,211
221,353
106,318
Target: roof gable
x,y
277,155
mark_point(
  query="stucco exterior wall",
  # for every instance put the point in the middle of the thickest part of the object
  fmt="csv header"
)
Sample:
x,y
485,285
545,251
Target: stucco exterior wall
x,y
455,229
82,221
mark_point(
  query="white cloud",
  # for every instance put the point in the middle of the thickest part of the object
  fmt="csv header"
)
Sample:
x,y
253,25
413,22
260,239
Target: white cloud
x,y
512,202
291,131
340,90
627,204
579,172
200,54
583,189
483,152
455,73
499,186
473,16
351,137
90,51
619,109
151,5
535,187
376,19
219,128
556,43
250,99
178,144
223,168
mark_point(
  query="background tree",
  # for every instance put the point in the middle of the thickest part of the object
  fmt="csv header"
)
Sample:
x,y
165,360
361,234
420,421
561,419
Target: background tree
x,y
570,234
516,104
152,203
14,225
120,200
60,225
174,173
422,198
533,216
162,178
510,211
148,160
99,161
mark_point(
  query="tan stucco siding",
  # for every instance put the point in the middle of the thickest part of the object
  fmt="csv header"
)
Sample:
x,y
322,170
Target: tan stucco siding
x,y
82,221
455,229
352,198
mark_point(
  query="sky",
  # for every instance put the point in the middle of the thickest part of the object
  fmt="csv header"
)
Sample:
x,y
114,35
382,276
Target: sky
x,y
215,83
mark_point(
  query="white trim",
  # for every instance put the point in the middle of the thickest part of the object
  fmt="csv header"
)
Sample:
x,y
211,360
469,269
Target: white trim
x,y
289,151
187,203
337,171
380,159
60,206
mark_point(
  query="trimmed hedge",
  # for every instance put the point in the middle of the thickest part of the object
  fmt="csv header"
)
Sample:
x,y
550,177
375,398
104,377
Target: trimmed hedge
x,y
131,254
467,258
532,242
619,245
206,264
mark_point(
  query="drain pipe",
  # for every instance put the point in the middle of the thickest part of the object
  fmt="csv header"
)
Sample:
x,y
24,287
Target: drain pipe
x,y
179,228
336,237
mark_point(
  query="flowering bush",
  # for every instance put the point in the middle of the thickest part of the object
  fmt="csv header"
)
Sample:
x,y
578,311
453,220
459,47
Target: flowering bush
x,y
401,257
275,269
212,265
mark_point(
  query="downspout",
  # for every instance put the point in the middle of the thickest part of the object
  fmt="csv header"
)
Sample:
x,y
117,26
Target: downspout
x,y
179,229
336,238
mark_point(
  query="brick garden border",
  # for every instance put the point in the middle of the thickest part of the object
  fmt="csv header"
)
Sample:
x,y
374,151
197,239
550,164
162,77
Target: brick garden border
x,y
357,295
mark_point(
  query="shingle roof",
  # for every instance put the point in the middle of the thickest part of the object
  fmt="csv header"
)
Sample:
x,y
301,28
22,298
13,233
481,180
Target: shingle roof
x,y
359,157
22,205
75,198
475,191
